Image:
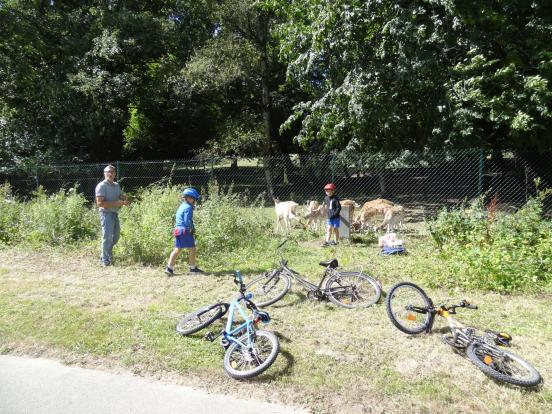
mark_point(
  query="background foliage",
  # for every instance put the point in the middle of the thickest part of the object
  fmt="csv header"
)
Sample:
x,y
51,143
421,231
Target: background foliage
x,y
99,80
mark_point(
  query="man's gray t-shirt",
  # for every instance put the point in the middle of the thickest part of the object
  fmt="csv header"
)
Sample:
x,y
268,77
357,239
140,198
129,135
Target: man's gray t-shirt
x,y
110,192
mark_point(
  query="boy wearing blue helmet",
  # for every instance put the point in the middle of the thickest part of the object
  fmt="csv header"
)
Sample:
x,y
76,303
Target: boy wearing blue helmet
x,y
184,232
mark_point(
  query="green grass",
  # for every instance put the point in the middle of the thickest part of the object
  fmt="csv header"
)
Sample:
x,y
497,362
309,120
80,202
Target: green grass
x,y
59,303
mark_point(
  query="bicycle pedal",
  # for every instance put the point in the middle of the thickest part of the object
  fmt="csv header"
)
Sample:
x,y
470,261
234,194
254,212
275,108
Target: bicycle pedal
x,y
209,336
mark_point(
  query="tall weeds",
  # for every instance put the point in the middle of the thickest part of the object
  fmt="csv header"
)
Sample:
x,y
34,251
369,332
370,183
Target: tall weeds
x,y
58,219
9,216
489,250
225,224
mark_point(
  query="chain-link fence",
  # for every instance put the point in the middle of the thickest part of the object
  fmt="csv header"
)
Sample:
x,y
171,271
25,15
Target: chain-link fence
x,y
426,181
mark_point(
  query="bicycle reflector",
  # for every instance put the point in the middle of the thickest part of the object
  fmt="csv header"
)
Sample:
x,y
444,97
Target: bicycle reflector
x,y
487,359
410,317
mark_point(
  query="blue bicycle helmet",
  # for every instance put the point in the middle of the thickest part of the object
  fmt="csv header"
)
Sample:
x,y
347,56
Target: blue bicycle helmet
x,y
191,192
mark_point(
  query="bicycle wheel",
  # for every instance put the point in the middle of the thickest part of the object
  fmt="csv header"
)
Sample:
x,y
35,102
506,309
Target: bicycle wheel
x,y
269,288
408,308
241,363
352,290
196,321
502,365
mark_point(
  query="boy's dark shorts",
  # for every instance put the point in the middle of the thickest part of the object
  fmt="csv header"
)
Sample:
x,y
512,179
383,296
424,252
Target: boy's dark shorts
x,y
333,222
183,239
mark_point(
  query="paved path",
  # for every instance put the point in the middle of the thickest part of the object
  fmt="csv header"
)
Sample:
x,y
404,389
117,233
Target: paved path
x,y
41,386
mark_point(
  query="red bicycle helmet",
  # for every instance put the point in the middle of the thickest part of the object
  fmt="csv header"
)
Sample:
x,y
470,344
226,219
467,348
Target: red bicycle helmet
x,y
329,186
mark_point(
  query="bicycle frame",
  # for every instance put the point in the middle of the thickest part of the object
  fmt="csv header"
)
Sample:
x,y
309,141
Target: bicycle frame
x,y
229,333
462,335
305,283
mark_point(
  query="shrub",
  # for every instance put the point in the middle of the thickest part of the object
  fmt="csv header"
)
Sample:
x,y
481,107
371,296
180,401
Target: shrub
x,y
228,222
57,219
9,215
225,223
146,225
502,252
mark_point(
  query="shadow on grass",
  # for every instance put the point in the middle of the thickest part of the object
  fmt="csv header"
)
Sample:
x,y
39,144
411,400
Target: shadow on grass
x,y
297,297
249,274
285,370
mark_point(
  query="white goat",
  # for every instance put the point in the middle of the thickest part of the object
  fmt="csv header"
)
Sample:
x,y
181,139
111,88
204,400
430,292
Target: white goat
x,y
285,212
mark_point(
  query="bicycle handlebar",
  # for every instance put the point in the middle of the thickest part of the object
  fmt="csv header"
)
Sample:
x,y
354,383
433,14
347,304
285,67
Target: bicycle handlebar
x,y
466,304
238,280
463,304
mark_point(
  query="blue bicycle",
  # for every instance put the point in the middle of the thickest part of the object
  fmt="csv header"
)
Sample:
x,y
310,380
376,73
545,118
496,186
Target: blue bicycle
x,y
249,351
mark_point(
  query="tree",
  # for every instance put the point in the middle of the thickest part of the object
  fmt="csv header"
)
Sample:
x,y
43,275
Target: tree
x,y
72,72
387,75
242,57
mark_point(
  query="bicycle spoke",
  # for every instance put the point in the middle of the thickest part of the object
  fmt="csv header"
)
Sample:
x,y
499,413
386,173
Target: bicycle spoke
x,y
407,308
503,364
244,359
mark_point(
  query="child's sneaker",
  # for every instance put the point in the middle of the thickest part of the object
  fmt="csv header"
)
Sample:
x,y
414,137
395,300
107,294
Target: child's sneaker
x,y
169,271
196,270
334,243
326,244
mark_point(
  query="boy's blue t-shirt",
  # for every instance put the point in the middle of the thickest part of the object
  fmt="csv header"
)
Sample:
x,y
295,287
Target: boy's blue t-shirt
x,y
184,216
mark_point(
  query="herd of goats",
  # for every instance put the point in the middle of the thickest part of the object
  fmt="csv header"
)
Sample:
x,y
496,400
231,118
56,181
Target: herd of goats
x,y
315,215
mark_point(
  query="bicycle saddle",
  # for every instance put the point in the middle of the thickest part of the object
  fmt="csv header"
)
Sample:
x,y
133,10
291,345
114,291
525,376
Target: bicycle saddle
x,y
332,263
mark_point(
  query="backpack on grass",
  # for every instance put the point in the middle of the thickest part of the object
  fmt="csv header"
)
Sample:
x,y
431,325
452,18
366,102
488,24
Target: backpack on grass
x,y
386,251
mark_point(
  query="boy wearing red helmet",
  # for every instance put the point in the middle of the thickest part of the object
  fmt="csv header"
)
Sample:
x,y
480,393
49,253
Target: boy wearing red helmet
x,y
334,208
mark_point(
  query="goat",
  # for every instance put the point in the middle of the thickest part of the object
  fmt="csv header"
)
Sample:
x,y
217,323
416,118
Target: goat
x,y
315,214
285,212
369,210
393,217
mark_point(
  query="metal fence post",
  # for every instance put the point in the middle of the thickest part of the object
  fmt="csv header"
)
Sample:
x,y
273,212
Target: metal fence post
x,y
333,167
118,171
480,172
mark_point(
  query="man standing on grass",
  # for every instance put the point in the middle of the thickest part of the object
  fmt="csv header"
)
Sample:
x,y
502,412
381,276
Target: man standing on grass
x,y
109,200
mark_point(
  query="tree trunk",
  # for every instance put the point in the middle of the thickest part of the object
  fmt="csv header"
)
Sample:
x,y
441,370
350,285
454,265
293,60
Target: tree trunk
x,y
263,23
381,181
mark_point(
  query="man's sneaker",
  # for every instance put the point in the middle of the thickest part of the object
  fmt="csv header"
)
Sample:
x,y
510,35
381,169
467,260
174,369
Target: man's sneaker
x,y
169,271
105,264
326,244
334,243
196,270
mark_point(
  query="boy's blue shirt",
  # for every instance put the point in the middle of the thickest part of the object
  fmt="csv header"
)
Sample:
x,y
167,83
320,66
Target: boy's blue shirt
x,y
184,216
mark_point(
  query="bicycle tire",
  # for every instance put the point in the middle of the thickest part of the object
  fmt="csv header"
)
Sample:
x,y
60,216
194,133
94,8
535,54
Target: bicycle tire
x,y
266,348
269,288
502,365
196,321
352,290
407,321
